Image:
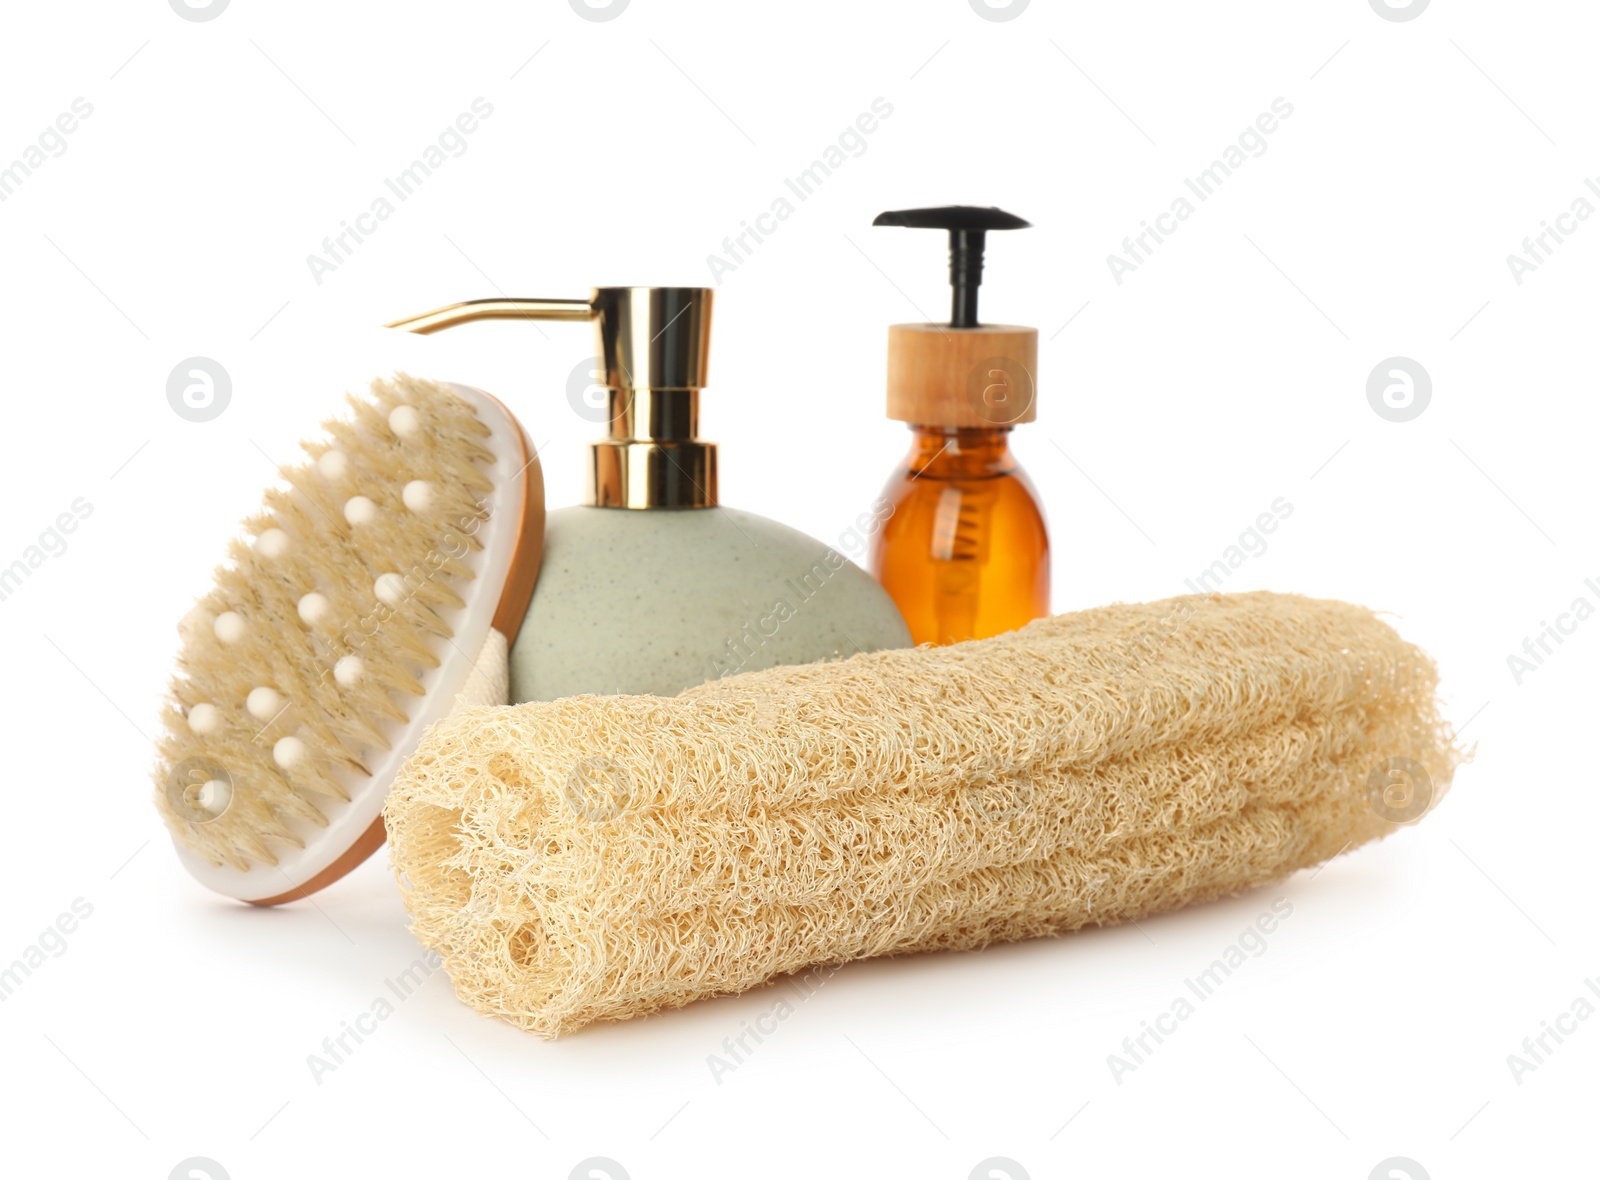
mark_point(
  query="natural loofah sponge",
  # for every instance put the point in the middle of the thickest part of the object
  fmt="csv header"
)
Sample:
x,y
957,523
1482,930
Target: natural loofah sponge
x,y
605,857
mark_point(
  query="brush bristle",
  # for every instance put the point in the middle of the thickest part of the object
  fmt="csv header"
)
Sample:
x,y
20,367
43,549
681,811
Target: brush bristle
x,y
345,568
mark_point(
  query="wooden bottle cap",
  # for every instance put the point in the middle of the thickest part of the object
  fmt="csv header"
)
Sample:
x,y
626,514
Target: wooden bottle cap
x,y
974,377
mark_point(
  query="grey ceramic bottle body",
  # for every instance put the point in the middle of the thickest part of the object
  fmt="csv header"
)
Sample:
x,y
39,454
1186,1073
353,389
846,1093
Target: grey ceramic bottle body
x,y
657,600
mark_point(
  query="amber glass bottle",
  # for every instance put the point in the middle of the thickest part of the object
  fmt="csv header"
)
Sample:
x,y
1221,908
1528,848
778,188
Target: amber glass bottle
x,y
964,552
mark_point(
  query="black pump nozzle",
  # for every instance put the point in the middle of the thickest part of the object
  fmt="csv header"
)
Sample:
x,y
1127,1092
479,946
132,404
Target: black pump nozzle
x,y
967,225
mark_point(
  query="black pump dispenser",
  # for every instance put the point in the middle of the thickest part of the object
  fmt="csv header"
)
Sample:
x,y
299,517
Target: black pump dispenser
x,y
967,225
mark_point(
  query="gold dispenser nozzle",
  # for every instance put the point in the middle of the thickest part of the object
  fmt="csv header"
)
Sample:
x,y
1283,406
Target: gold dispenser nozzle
x,y
654,343
454,314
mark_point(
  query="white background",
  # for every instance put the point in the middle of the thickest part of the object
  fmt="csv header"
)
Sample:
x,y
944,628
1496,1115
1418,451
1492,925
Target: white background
x,y
1228,370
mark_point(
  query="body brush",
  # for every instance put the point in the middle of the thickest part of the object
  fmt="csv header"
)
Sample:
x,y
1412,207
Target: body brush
x,y
376,591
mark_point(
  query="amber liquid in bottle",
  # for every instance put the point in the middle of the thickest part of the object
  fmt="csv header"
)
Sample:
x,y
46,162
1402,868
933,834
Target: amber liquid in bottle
x,y
964,553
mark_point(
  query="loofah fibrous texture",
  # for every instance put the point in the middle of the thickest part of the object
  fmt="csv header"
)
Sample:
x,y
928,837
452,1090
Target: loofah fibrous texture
x,y
228,791
600,858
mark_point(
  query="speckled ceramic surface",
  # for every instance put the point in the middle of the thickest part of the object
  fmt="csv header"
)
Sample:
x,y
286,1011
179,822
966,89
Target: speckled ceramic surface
x,y
657,600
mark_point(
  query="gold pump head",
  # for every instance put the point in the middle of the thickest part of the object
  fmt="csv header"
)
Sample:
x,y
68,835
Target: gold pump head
x,y
655,344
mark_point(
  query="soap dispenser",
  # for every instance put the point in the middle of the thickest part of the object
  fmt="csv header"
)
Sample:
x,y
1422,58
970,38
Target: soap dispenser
x,y
964,553
650,585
